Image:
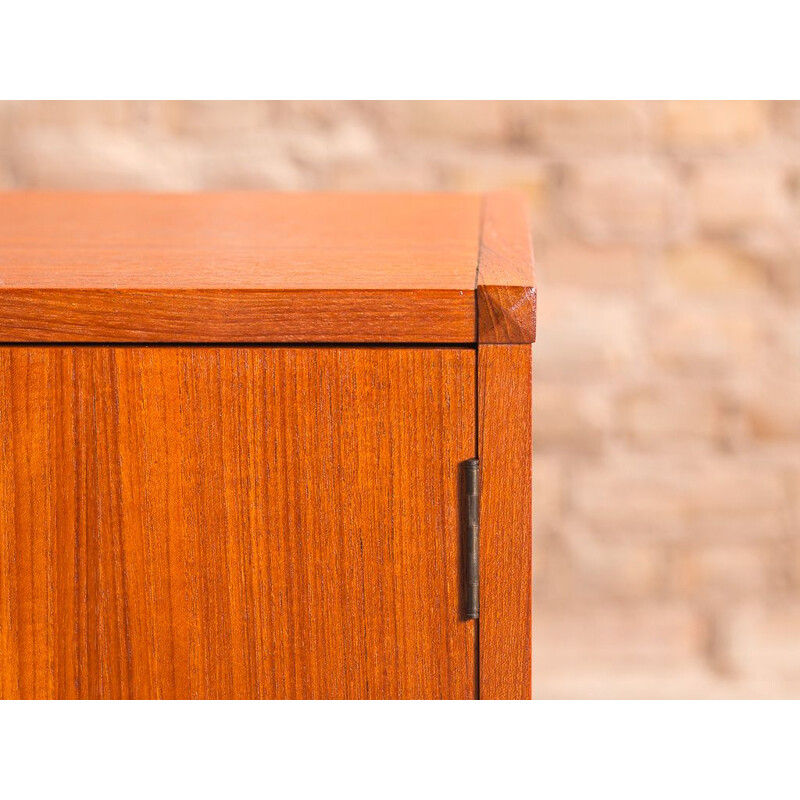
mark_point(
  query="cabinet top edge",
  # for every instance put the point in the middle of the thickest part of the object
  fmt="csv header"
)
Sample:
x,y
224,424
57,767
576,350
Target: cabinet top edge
x,y
506,286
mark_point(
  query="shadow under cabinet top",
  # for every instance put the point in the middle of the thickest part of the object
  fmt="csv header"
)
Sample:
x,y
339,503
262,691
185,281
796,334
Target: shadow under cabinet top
x,y
261,267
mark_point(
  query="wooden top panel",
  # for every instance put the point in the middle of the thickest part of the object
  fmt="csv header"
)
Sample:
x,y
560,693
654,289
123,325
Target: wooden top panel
x,y
243,240
258,267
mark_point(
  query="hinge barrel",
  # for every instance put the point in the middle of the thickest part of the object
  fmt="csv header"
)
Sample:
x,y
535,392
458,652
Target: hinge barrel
x,y
472,562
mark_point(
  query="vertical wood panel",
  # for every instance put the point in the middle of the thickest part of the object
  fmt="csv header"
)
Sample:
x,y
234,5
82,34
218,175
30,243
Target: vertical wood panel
x,y
233,522
504,424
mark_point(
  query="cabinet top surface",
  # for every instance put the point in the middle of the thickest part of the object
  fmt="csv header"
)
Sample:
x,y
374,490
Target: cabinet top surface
x,y
243,240
89,251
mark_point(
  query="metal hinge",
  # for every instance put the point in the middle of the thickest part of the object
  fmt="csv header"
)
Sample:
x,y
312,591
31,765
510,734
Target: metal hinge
x,y
472,481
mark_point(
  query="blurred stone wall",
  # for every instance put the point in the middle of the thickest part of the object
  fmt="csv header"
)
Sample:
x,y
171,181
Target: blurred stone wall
x,y
667,394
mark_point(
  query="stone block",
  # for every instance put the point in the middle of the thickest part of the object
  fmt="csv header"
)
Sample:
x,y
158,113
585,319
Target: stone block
x,y
623,199
715,123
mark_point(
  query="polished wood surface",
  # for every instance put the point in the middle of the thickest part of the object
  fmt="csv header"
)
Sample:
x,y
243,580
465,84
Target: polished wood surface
x,y
109,315
246,522
504,430
239,267
256,267
238,240
506,289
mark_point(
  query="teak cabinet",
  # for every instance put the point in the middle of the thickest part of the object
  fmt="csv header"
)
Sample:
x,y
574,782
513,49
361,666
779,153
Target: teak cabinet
x,y
239,438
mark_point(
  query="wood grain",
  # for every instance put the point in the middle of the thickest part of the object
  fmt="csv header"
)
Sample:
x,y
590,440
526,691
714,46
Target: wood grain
x,y
236,522
504,430
506,289
217,315
238,267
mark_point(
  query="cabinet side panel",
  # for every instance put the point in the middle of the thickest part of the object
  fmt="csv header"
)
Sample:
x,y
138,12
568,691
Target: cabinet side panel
x,y
504,429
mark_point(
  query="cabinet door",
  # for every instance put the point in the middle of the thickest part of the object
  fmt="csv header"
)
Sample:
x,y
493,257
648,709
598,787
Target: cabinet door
x,y
234,522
